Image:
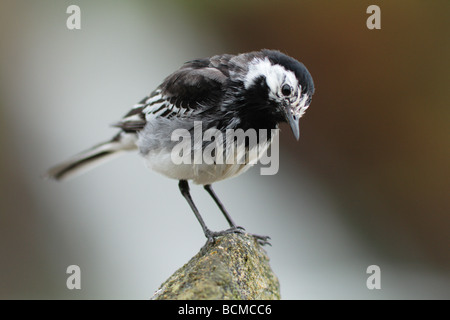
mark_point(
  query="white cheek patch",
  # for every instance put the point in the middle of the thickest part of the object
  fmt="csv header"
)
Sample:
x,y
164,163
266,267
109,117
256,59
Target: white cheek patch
x,y
301,107
275,76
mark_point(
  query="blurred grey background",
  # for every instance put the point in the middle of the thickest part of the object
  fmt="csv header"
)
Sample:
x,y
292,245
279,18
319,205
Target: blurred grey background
x,y
367,184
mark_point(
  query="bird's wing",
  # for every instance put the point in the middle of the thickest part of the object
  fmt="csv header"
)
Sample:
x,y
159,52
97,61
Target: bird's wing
x,y
196,85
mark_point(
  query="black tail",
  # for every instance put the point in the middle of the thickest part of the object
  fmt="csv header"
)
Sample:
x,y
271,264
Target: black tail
x,y
91,158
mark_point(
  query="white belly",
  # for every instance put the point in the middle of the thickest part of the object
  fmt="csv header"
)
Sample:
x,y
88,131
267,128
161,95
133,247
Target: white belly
x,y
200,173
199,170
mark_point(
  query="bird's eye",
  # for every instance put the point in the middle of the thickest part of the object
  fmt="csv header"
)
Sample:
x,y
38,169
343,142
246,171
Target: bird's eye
x,y
286,90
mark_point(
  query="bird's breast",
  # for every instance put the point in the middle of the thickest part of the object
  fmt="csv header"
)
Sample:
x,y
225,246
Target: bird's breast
x,y
200,167
199,153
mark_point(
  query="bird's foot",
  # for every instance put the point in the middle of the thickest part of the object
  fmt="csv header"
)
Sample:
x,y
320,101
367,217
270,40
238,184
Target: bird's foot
x,y
262,240
211,235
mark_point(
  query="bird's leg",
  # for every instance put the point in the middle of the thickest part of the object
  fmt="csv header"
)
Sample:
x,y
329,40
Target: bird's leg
x,y
227,216
262,240
184,188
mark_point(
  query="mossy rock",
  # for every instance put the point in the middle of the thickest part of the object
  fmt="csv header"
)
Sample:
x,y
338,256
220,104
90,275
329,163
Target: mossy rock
x,y
232,267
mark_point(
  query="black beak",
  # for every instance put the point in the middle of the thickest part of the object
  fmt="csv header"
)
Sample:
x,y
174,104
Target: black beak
x,y
292,120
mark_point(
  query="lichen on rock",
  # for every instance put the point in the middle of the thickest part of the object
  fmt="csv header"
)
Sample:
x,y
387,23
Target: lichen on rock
x,y
232,267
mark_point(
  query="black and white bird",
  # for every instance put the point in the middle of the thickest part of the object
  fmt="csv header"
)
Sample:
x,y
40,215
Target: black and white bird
x,y
255,90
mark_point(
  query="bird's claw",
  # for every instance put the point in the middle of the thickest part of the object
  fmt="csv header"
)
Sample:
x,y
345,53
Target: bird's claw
x,y
262,240
213,234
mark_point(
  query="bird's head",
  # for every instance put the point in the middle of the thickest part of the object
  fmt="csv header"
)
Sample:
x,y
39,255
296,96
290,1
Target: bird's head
x,y
287,85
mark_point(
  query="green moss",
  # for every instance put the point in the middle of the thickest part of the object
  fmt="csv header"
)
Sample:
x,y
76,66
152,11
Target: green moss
x,y
233,267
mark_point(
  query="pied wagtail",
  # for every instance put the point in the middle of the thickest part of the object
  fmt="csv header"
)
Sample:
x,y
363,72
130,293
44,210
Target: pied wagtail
x,y
255,90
